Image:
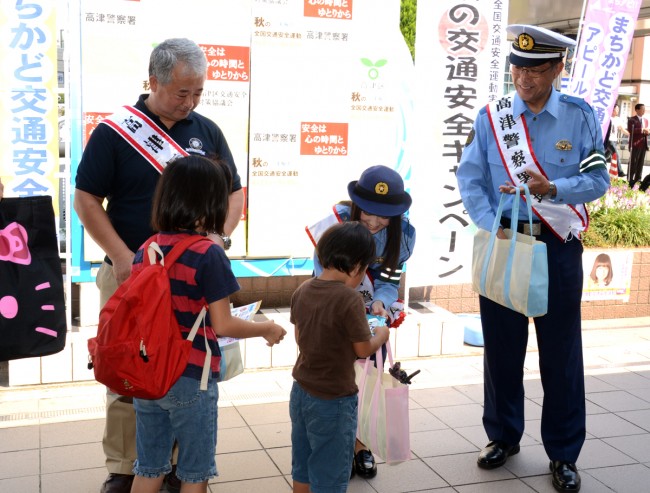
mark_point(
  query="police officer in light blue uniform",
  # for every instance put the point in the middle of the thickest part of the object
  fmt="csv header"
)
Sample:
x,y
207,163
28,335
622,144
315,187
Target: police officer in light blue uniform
x,y
560,139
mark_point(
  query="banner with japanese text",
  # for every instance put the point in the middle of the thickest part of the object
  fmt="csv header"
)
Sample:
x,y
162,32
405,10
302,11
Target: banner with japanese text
x,y
460,62
599,61
331,94
29,152
117,38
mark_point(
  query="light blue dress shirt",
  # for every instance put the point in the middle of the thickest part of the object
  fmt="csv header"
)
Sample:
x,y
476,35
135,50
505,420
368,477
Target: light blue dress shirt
x,y
563,118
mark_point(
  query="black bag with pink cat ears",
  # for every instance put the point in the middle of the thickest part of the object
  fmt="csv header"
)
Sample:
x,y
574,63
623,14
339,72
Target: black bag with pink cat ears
x,y
32,306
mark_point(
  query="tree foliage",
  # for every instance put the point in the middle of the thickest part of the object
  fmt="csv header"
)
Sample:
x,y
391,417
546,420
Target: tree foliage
x,y
408,11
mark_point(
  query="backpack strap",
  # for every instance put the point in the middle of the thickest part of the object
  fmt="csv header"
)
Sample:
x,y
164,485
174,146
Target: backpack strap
x,y
149,257
208,352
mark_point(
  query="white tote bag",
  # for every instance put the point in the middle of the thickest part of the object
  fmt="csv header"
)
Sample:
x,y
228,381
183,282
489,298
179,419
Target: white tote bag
x,y
383,423
512,272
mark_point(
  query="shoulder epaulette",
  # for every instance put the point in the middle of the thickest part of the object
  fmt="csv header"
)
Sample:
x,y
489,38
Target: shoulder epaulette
x,y
565,98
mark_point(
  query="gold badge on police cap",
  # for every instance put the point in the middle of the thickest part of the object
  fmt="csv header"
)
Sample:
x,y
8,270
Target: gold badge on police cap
x,y
525,42
563,145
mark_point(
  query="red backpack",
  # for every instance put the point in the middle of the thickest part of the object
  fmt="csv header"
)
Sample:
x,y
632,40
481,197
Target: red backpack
x,y
139,350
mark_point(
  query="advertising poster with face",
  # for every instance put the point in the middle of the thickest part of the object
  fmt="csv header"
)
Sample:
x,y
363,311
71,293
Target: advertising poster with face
x,y
607,275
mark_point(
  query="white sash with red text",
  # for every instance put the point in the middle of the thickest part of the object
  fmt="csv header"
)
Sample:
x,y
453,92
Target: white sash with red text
x,y
513,141
151,141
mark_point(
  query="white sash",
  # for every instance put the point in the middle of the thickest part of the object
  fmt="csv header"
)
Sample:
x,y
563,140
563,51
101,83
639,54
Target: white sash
x,y
315,231
512,138
151,141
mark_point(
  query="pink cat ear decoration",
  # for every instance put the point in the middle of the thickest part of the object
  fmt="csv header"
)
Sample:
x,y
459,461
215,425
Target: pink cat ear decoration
x,y
13,244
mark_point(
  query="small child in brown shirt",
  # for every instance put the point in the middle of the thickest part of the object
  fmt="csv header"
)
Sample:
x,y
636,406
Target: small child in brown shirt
x,y
332,332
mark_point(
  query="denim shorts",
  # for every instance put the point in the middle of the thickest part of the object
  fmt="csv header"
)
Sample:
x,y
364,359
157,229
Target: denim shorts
x,y
186,415
322,440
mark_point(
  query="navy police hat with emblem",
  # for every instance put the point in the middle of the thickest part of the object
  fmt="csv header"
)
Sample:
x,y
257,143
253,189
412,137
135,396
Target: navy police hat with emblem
x,y
536,45
380,192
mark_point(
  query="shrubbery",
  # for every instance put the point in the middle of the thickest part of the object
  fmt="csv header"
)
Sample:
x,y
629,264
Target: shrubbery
x,y
620,218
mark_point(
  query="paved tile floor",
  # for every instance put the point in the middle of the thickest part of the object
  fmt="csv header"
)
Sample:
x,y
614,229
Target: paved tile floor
x,y
50,436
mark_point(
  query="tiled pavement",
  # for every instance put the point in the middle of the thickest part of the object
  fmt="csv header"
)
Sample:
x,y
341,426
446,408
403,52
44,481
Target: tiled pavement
x,y
50,436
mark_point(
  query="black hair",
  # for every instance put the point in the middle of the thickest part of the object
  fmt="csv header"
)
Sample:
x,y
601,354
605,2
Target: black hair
x,y
192,191
391,252
346,247
638,106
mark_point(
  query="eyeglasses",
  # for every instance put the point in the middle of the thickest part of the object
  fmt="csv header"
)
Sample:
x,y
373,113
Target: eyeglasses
x,y
532,73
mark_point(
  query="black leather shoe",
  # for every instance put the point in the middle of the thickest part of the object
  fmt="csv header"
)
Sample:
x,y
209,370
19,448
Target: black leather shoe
x,y
565,476
117,483
495,454
172,482
365,465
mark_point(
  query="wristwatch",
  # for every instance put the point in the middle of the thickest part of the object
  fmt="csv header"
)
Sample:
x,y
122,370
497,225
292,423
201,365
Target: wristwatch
x,y
552,191
227,242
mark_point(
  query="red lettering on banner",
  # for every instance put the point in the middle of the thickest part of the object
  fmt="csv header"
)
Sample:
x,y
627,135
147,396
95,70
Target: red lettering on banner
x,y
329,9
323,139
227,63
90,122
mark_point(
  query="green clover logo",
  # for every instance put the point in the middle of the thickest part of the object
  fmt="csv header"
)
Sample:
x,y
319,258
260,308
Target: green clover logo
x,y
373,73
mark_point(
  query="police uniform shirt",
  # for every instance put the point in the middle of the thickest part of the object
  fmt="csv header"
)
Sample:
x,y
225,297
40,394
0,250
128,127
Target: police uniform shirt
x,y
561,135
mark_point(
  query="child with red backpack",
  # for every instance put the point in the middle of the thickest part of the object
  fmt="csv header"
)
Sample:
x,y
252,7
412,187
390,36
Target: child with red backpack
x,y
191,199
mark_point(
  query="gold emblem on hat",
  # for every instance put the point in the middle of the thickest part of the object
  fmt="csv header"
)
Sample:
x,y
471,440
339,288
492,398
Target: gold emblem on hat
x,y
381,188
563,145
526,42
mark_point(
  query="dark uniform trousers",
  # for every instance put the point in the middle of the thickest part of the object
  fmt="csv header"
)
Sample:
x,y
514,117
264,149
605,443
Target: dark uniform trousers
x,y
559,340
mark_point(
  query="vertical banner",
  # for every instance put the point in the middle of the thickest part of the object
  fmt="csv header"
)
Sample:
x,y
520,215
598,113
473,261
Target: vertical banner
x,y
599,61
460,61
330,96
29,150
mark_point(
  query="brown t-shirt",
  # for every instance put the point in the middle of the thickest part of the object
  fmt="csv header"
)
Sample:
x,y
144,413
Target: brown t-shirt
x,y
328,317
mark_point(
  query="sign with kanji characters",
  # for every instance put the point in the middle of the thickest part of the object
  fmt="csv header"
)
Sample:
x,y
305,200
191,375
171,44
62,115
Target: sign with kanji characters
x,y
460,63
29,153
599,61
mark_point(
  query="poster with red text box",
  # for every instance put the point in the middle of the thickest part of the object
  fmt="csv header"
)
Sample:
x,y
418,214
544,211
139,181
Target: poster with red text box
x,y
330,97
324,9
117,39
228,63
90,122
323,139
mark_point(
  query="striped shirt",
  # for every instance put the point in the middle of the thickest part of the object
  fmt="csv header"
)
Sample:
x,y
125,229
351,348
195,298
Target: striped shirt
x,y
202,275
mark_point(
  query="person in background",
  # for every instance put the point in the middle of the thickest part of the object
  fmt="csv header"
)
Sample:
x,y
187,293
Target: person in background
x,y
553,143
637,127
378,202
614,132
112,168
332,332
191,199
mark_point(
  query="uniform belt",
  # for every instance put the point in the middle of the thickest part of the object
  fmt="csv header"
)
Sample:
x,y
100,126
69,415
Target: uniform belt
x,y
524,226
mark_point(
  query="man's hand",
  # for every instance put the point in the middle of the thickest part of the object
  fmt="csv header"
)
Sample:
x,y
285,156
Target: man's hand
x,y
538,184
122,267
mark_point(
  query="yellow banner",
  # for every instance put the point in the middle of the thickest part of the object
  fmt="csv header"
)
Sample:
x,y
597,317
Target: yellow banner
x,y
29,151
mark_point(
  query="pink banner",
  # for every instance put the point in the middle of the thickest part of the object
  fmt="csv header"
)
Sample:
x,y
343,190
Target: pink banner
x,y
600,58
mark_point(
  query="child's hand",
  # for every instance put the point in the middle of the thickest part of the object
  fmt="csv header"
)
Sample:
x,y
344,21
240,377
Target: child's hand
x,y
377,308
275,334
382,333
